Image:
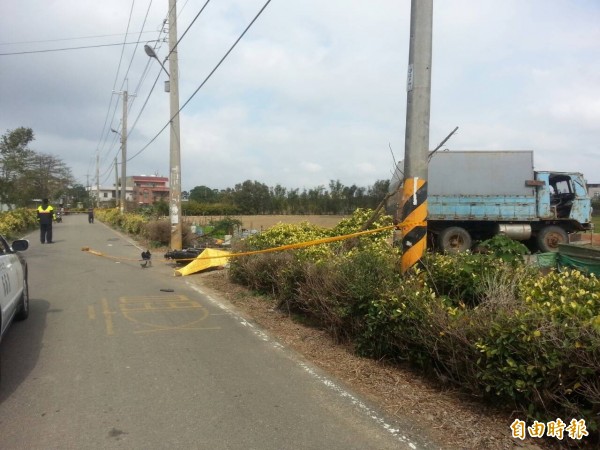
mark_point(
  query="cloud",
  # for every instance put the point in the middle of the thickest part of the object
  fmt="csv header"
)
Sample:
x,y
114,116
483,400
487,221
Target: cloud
x,y
315,91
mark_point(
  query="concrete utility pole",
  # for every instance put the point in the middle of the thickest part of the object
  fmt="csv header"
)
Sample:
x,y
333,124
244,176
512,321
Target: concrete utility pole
x,y
175,154
124,155
98,178
116,183
413,198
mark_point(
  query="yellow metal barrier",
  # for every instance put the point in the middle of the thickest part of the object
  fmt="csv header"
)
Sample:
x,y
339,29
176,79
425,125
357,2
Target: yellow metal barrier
x,y
298,245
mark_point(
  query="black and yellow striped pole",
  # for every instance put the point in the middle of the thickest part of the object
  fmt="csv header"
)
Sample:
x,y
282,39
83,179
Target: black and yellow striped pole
x,y
412,205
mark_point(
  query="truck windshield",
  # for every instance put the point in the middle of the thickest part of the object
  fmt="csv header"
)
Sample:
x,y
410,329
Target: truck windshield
x,y
563,187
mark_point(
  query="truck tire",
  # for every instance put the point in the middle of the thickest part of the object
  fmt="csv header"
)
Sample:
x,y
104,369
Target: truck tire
x,y
454,240
549,237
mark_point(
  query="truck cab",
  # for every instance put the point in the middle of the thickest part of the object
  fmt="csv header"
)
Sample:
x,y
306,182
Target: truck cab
x,y
564,196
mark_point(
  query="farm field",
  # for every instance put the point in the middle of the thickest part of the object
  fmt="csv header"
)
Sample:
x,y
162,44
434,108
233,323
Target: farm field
x,y
263,222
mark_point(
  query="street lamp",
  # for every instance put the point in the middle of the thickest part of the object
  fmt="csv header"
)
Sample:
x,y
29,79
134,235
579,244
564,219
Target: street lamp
x,y
123,136
174,153
152,54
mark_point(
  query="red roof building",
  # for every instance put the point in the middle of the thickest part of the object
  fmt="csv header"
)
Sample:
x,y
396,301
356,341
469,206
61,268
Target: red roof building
x,y
148,190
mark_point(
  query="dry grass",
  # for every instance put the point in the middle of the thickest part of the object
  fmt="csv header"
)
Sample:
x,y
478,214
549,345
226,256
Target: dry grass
x,y
454,420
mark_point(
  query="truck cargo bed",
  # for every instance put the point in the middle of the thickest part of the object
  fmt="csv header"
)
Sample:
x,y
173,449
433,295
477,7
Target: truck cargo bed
x,y
480,207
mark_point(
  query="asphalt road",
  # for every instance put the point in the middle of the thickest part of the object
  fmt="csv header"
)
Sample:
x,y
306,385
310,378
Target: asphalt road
x,y
116,356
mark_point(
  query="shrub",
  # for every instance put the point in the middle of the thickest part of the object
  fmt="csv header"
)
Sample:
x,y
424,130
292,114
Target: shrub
x,y
133,224
485,322
505,248
286,234
158,232
337,292
13,223
267,274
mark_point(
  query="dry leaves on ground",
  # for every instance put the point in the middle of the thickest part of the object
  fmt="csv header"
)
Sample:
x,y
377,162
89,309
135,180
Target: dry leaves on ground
x,y
446,416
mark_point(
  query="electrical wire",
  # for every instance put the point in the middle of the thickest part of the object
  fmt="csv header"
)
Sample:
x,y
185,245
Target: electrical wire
x,y
187,29
104,133
158,76
144,74
67,39
134,51
131,101
205,80
69,48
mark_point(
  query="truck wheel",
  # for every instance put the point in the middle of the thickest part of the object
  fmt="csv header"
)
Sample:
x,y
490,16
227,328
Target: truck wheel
x,y
549,237
455,239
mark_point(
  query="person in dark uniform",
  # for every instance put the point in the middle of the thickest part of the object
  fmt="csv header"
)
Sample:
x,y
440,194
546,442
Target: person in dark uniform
x,y
91,215
45,216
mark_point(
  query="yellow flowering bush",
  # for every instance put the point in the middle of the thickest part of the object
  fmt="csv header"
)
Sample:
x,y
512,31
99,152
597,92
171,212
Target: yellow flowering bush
x,y
111,216
286,234
489,324
12,223
133,223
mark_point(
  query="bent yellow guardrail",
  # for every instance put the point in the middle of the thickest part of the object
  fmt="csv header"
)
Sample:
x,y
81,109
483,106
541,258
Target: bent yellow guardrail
x,y
222,259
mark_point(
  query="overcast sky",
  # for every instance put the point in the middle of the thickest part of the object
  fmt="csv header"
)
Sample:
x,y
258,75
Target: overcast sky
x,y
315,91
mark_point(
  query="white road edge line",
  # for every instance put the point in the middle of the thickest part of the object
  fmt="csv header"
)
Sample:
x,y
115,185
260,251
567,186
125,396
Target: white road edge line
x,y
324,380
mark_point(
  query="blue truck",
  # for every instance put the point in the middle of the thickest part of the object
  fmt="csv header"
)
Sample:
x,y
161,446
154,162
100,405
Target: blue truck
x,y
474,195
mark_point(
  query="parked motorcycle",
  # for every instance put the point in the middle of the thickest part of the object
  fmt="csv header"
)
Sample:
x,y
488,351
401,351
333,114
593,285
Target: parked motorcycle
x,y
58,217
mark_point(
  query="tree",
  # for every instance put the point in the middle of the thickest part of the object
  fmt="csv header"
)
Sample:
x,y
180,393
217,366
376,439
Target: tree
x,y
378,191
77,193
278,199
204,194
48,177
15,155
336,190
25,174
251,197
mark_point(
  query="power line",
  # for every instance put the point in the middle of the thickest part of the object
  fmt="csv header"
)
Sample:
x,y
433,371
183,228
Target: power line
x,y
144,74
67,39
105,131
142,77
70,48
187,29
205,80
156,80
139,36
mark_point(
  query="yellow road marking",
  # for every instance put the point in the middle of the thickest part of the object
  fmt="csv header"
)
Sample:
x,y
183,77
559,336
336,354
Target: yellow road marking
x,y
187,310
176,328
107,317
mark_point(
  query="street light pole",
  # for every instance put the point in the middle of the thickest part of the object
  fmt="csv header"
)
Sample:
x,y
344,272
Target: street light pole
x,y
98,178
124,155
175,154
175,144
117,195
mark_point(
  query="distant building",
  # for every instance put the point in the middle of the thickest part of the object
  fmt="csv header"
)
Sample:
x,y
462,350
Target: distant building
x,y
593,190
147,190
108,196
139,190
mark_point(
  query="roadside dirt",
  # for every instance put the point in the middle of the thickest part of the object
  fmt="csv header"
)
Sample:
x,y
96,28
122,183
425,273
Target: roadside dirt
x,y
450,418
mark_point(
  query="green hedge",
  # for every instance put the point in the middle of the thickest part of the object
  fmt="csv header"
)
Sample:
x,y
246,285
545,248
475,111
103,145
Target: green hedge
x,y
13,223
486,323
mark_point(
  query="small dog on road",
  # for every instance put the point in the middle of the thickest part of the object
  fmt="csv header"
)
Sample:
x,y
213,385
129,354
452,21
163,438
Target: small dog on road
x,y
146,259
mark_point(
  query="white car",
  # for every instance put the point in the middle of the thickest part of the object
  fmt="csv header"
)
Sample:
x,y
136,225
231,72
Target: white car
x,y
14,293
